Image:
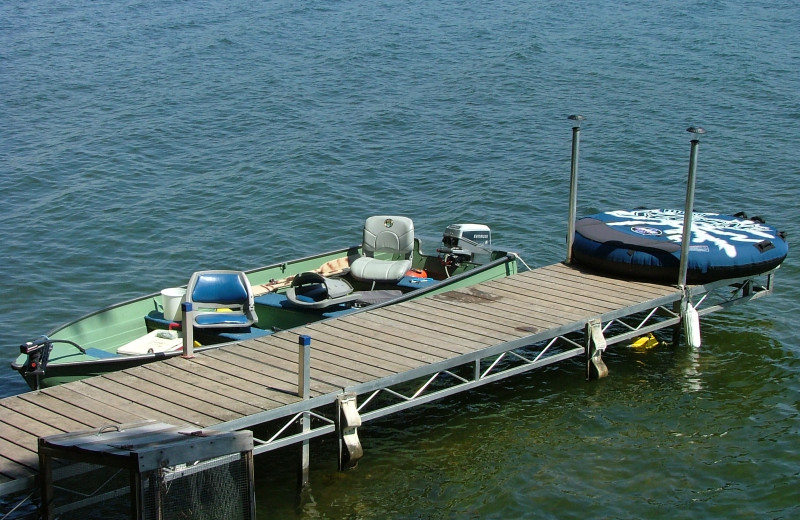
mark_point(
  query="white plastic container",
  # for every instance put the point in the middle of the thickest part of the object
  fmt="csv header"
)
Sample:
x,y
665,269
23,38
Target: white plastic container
x,y
171,299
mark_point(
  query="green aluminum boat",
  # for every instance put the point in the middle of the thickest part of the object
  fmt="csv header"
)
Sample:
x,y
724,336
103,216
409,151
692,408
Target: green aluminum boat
x,y
391,265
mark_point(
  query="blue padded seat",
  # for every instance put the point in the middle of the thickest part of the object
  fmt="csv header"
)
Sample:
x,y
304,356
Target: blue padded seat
x,y
220,299
226,319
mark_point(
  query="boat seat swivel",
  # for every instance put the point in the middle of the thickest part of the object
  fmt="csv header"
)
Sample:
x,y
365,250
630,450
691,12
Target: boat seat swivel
x,y
387,249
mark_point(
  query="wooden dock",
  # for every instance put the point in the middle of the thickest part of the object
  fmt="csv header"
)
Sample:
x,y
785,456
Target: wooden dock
x,y
410,353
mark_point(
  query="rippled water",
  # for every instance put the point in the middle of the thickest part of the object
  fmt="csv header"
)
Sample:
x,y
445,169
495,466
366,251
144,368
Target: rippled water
x,y
141,140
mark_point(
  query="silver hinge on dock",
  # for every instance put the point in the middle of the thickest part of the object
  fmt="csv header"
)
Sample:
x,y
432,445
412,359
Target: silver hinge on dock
x,y
347,422
595,345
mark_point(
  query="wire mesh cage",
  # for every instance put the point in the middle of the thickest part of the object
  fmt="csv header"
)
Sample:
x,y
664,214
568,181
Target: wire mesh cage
x,y
147,471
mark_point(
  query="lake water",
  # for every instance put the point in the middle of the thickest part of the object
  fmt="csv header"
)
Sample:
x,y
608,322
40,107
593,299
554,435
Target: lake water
x,y
142,140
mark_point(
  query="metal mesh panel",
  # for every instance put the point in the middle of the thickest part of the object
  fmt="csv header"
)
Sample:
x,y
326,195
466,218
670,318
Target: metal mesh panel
x,y
211,489
86,491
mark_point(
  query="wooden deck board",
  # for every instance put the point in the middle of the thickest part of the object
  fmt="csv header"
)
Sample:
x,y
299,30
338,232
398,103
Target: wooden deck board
x,y
66,408
397,333
42,415
169,394
128,387
371,360
447,320
227,396
500,316
325,368
453,339
391,344
16,461
581,298
107,410
506,310
105,390
335,369
254,364
232,380
379,352
549,304
23,430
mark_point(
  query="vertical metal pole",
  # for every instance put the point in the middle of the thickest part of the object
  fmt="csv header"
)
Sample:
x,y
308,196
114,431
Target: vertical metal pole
x,y
303,391
687,215
573,184
188,329
304,371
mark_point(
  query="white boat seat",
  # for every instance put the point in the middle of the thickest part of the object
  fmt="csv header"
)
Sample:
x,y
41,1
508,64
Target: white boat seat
x,y
220,299
387,249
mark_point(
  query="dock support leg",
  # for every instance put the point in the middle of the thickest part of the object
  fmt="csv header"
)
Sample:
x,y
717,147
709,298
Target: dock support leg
x,y
304,391
595,345
305,453
677,330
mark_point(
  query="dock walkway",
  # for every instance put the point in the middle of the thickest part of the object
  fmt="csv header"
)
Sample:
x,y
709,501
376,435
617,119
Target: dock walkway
x,y
495,329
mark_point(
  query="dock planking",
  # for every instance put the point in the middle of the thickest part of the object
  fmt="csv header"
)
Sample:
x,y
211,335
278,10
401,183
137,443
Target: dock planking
x,y
239,382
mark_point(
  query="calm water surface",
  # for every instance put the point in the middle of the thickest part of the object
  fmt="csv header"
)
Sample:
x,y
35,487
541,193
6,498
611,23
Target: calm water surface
x,y
142,140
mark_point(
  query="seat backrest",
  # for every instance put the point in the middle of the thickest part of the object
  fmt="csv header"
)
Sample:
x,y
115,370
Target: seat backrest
x,y
209,290
388,234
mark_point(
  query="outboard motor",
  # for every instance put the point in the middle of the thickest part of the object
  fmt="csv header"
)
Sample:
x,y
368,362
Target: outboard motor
x,y
38,353
466,243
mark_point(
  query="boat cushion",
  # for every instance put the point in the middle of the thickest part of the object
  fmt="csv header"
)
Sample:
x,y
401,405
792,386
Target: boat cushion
x,y
222,318
368,268
387,246
219,288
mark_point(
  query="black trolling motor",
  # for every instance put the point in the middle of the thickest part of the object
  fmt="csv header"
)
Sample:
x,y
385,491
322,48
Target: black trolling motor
x,y
38,352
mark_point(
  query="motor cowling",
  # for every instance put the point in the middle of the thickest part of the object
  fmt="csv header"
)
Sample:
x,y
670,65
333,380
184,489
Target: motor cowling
x,y
466,243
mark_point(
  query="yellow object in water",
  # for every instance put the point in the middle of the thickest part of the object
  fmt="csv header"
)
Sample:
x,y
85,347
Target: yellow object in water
x,y
645,342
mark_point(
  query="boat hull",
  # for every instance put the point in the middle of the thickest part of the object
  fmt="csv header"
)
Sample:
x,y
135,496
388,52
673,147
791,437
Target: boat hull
x,y
101,333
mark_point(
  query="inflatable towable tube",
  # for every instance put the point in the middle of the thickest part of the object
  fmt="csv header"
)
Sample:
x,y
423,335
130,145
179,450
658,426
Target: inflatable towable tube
x,y
646,244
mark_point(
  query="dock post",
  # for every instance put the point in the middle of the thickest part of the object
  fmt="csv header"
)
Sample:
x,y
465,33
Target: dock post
x,y
689,207
188,330
303,391
573,184
595,346
686,241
